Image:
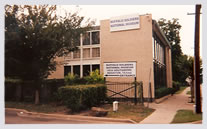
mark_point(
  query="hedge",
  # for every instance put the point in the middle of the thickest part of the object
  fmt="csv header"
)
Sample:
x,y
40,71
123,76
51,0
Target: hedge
x,y
163,92
81,97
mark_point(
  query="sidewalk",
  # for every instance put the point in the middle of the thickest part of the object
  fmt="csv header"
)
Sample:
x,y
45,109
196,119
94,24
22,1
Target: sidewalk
x,y
166,110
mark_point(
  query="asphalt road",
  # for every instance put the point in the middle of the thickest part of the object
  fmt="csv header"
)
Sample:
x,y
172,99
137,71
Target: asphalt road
x,y
13,117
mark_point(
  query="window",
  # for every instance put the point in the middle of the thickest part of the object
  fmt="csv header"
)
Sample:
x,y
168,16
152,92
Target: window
x,y
95,38
67,69
76,70
96,66
86,39
96,52
86,70
86,53
76,54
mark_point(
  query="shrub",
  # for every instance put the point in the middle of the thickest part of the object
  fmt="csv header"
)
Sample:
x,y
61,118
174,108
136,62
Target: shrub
x,y
71,79
94,77
82,96
163,92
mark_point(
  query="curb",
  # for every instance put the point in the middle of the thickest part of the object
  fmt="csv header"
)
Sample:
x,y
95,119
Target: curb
x,y
196,122
25,113
160,100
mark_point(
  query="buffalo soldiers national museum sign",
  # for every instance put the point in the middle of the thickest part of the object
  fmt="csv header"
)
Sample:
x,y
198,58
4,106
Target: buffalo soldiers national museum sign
x,y
120,69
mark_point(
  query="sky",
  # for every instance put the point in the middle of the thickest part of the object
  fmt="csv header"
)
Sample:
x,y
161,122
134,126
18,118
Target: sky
x,y
101,12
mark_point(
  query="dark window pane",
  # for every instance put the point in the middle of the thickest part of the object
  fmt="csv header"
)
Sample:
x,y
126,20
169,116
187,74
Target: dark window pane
x,y
67,69
96,66
76,70
86,70
95,38
86,39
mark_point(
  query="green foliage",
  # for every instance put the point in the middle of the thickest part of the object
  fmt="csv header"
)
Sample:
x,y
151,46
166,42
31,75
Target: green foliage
x,y
82,96
171,28
35,36
71,79
181,64
163,92
94,77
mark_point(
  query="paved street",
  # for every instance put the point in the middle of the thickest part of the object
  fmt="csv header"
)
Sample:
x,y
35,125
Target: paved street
x,y
15,117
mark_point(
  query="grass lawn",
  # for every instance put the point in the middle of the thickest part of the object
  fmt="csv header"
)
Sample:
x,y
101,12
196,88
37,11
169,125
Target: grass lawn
x,y
129,111
43,108
184,116
182,88
188,93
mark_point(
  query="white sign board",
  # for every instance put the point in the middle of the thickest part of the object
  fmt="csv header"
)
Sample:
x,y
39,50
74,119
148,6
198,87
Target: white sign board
x,y
126,22
123,69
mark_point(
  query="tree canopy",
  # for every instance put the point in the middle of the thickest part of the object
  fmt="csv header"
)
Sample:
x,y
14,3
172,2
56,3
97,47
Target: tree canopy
x,y
171,29
35,36
182,65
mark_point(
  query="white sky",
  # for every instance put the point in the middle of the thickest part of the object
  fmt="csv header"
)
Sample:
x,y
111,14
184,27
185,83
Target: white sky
x,y
100,12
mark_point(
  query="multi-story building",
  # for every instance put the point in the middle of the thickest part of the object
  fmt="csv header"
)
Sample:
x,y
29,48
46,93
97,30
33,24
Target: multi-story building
x,y
130,38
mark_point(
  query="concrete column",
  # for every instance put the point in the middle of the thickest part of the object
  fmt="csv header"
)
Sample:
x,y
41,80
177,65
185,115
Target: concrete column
x,y
168,67
81,55
71,69
91,68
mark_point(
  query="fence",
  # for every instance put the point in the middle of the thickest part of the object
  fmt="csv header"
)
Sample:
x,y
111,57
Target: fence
x,y
123,91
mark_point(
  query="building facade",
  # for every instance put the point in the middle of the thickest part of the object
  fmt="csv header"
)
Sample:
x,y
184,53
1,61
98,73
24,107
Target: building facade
x,y
133,38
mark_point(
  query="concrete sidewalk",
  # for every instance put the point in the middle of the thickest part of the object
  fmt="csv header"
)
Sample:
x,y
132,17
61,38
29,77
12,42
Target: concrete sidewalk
x,y
166,110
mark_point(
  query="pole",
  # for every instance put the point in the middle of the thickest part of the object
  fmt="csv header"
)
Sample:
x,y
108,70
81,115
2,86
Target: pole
x,y
197,60
192,83
135,91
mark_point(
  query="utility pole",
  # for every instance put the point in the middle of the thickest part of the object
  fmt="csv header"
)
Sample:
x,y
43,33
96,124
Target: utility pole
x,y
197,60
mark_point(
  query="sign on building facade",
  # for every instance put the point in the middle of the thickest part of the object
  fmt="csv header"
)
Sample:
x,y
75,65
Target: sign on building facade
x,y
126,22
120,69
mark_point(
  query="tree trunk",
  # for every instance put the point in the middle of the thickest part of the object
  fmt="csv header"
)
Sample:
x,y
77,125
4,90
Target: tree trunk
x,y
37,100
37,91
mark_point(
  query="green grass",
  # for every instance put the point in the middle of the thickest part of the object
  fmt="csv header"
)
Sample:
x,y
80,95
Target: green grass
x,y
129,111
182,88
188,93
42,108
185,116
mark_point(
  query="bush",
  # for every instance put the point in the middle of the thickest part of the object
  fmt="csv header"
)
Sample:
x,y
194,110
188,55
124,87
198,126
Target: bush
x,y
71,79
94,77
176,86
163,92
82,96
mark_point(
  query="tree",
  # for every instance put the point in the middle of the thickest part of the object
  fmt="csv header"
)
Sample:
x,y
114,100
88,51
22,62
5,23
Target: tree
x,y
171,29
182,65
189,68
35,36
